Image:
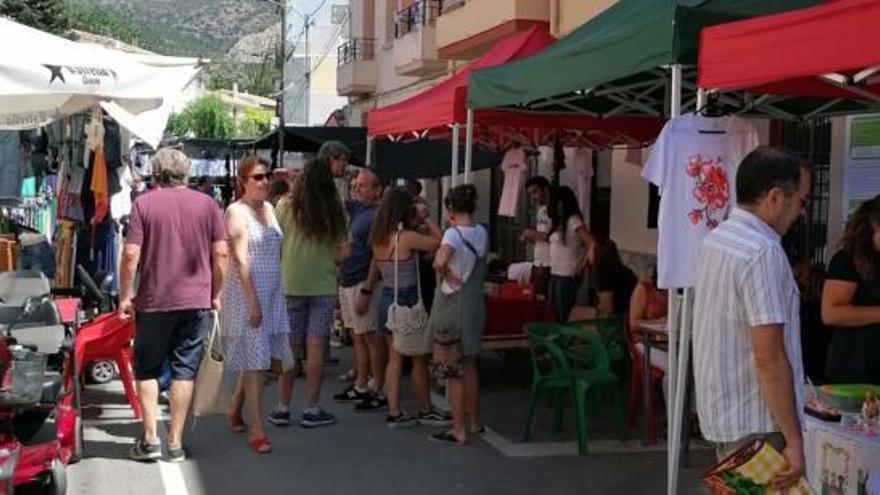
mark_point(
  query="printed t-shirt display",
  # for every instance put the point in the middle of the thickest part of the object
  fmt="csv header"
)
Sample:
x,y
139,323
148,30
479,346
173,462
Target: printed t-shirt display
x,y
694,163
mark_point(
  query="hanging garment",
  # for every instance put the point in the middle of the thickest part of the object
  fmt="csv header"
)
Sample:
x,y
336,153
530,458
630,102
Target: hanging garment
x,y
580,175
514,167
65,242
99,187
694,163
10,163
120,202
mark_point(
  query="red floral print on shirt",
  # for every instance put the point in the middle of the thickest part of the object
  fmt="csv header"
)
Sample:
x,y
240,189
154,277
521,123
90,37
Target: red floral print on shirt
x,y
712,189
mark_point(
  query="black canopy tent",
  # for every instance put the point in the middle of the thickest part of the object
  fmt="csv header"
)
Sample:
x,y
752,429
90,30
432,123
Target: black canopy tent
x,y
418,159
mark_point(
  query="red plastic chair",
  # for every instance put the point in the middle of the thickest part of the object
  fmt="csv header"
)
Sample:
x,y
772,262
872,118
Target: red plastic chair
x,y
108,337
635,386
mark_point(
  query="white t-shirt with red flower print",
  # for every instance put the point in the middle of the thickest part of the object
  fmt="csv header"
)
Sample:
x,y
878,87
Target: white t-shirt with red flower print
x,y
696,174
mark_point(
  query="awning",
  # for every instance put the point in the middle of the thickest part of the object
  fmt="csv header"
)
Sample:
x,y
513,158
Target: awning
x,y
829,51
614,64
418,159
431,112
44,77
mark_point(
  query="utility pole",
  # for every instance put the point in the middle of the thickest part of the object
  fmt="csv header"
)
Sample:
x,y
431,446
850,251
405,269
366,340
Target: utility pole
x,y
281,122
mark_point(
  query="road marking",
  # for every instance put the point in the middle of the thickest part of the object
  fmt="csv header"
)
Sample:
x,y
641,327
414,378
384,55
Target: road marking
x,y
170,473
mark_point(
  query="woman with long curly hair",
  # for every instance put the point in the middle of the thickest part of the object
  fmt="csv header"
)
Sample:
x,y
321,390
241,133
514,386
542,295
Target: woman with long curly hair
x,y
315,239
851,300
395,235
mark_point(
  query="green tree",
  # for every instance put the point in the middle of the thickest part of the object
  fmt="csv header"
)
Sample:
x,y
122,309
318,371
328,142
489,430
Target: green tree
x,y
254,123
206,118
46,15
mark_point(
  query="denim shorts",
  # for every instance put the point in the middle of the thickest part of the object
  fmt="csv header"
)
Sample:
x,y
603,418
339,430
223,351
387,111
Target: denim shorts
x,y
173,336
310,315
407,296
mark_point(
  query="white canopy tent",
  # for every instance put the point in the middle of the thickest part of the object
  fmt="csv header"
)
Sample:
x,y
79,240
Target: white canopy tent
x,y
44,77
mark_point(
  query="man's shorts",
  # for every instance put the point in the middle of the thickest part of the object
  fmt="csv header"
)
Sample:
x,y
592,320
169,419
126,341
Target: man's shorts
x,y
173,336
310,315
360,324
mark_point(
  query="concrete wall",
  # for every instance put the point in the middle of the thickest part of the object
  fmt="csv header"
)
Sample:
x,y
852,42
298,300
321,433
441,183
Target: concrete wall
x,y
477,16
629,203
568,15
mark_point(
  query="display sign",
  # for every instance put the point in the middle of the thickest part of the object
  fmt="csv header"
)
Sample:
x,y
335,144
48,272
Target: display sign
x,y
861,161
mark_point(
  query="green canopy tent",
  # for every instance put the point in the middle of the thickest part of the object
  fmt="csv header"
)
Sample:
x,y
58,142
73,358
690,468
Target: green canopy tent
x,y
636,58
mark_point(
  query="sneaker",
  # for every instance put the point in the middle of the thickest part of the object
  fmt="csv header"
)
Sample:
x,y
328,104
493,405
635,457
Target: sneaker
x,y
316,418
352,394
279,418
176,453
372,403
435,418
334,343
402,420
144,451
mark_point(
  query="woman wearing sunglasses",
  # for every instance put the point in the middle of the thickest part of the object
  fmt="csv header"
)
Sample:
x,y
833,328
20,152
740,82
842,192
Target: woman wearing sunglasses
x,y
253,318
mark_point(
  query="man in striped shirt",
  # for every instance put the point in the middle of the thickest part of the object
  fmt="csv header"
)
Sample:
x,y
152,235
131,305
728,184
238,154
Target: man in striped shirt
x,y
747,357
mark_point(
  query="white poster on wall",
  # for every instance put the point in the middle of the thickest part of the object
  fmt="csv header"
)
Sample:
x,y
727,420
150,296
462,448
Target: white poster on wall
x,y
861,161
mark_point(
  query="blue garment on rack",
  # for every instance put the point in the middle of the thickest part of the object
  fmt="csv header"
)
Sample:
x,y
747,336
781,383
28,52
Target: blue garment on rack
x,y
40,257
10,164
105,250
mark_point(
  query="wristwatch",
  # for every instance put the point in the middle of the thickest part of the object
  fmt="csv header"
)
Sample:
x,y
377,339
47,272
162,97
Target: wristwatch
x,y
366,292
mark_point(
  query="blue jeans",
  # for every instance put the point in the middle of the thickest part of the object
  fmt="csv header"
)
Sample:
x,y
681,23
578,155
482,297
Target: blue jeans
x,y
563,294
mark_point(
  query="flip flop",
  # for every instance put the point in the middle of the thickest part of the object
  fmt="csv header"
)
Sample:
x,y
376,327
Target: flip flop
x,y
260,445
236,423
445,437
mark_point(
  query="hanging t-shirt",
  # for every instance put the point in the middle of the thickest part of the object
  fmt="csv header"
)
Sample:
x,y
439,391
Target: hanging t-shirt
x,y
463,260
579,163
543,224
695,172
514,167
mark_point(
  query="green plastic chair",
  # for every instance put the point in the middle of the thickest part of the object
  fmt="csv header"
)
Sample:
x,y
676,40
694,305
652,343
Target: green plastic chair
x,y
553,372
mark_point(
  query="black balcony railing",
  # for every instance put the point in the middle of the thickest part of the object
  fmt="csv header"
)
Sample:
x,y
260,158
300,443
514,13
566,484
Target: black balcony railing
x,y
420,13
356,49
450,5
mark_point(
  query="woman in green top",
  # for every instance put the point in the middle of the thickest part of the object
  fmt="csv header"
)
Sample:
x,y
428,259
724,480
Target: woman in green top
x,y
313,222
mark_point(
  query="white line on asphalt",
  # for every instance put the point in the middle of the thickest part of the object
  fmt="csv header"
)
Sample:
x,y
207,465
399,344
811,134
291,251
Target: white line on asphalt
x,y
171,473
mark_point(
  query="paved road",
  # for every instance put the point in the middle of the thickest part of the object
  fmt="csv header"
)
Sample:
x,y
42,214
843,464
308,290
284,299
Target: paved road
x,y
362,456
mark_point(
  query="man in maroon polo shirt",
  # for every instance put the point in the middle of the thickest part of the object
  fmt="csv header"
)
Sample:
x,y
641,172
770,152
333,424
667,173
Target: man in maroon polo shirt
x,y
176,243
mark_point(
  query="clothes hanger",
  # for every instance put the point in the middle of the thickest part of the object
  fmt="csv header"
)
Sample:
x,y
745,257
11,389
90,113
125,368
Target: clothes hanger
x,y
712,109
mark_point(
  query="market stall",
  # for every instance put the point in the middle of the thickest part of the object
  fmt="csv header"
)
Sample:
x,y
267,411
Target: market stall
x,y
814,61
635,58
66,179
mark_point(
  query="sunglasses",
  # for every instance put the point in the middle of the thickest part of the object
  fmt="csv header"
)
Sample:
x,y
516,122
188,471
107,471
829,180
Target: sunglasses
x,y
259,177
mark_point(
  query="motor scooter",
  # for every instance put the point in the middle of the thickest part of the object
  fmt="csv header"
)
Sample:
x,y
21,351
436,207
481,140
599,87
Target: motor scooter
x,y
40,420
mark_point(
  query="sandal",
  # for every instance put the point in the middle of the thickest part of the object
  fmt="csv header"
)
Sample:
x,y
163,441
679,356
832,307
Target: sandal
x,y
260,445
236,423
479,431
445,437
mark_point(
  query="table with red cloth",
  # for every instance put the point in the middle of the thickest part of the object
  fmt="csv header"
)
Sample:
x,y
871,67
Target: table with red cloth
x,y
513,306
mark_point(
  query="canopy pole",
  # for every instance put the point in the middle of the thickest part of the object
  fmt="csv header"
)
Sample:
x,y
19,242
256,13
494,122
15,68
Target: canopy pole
x,y
701,98
677,316
453,176
468,146
368,160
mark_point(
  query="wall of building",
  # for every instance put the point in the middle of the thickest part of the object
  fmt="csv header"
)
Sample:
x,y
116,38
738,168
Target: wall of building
x,y
568,15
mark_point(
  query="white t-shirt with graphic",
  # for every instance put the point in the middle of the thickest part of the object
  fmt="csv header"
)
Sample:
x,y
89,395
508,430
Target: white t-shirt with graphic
x,y
696,174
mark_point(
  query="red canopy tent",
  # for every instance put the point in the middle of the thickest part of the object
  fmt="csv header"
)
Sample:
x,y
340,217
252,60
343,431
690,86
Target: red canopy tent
x,y
829,51
432,112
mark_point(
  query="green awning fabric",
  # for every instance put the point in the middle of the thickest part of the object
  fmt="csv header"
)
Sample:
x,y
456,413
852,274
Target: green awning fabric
x,y
626,46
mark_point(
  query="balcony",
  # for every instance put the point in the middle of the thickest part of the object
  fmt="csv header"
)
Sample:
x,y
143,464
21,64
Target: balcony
x,y
466,28
356,69
415,40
